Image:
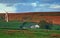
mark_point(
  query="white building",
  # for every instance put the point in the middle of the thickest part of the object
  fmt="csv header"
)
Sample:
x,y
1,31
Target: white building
x,y
35,26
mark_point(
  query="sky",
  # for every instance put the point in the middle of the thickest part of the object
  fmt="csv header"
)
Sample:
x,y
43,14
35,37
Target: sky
x,y
21,6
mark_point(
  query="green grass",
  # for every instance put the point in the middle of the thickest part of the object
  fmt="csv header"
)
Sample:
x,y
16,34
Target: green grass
x,y
13,24
9,24
35,33
16,25
38,33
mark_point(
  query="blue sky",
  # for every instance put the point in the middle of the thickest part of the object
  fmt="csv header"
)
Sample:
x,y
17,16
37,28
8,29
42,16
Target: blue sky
x,y
18,6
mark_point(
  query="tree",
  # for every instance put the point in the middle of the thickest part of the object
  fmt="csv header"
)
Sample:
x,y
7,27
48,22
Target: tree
x,y
44,24
1,18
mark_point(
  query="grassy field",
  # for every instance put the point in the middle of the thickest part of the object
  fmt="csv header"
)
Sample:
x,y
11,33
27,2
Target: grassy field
x,y
7,31
32,33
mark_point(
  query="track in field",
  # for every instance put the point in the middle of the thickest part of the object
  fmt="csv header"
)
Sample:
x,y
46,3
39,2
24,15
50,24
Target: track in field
x,y
26,32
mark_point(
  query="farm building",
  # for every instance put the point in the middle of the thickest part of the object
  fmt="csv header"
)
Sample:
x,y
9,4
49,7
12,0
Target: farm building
x,y
33,16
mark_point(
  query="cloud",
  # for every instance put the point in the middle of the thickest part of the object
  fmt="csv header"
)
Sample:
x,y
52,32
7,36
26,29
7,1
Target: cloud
x,y
4,7
34,4
10,1
28,4
29,7
43,5
47,8
46,0
36,7
55,6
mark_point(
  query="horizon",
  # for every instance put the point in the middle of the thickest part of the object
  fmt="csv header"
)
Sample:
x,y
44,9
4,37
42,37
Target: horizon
x,y
30,12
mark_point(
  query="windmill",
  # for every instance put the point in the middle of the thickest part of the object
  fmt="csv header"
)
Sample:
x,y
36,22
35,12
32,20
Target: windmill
x,y
6,16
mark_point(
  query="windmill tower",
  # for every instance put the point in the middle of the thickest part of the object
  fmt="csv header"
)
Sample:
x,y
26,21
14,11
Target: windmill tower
x,y
6,16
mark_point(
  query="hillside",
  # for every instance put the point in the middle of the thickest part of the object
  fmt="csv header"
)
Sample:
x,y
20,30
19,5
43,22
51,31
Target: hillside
x,y
34,16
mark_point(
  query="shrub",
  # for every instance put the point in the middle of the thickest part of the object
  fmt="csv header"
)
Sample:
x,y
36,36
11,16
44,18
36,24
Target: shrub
x,y
45,25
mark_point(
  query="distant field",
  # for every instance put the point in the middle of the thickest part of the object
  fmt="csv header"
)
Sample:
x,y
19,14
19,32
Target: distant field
x,y
32,33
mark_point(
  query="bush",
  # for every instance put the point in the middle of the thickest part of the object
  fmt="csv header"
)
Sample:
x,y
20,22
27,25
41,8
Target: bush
x,y
45,25
56,27
1,19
